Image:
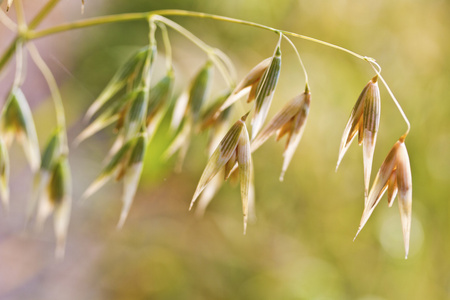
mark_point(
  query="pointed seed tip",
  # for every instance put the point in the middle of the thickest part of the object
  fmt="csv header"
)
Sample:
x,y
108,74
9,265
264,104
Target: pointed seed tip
x,y
359,230
244,117
375,78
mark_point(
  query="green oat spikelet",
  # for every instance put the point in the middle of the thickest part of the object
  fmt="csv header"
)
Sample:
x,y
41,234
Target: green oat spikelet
x,y
17,122
114,113
264,92
50,155
4,174
115,168
135,117
199,90
158,102
57,199
132,175
128,75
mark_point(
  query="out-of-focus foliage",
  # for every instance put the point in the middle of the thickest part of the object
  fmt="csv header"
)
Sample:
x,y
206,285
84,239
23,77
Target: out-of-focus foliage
x,y
301,245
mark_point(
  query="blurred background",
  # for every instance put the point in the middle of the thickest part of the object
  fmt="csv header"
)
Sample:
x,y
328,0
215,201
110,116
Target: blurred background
x,y
301,245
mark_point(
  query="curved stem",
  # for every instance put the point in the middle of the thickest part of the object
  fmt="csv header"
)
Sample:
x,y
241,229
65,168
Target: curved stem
x,y
33,24
199,43
174,12
53,87
42,14
377,69
167,46
20,16
299,58
19,65
5,20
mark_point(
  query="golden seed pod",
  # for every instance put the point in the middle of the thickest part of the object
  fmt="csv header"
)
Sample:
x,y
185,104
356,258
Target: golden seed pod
x,y
364,120
235,146
290,121
394,176
247,85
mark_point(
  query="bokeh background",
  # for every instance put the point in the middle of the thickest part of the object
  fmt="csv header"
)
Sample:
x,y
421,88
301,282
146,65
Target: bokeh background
x,y
301,245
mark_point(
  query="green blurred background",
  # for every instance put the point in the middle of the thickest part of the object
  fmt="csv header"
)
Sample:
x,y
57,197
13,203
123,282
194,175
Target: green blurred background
x,y
301,245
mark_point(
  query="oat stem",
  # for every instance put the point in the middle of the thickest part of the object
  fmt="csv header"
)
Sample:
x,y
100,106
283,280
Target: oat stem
x,y
299,58
33,24
167,46
5,20
377,69
53,87
20,16
199,43
19,65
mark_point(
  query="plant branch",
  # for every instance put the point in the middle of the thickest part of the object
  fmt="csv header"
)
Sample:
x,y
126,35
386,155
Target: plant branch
x,y
5,20
33,24
299,58
377,69
53,86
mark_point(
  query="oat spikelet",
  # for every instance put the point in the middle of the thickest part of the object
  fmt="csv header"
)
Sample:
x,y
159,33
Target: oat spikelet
x,y
290,121
235,146
264,92
132,176
129,75
395,176
4,174
247,85
16,121
364,120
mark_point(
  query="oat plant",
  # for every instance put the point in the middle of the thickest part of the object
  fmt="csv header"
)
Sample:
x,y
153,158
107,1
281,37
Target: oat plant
x,y
136,104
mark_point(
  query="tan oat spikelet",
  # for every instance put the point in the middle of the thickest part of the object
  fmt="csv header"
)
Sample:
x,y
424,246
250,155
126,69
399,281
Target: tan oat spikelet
x,y
395,176
364,120
235,146
290,121
247,85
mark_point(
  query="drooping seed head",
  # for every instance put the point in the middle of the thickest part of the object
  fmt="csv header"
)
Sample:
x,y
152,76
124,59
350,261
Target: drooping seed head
x,y
290,121
371,122
395,176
